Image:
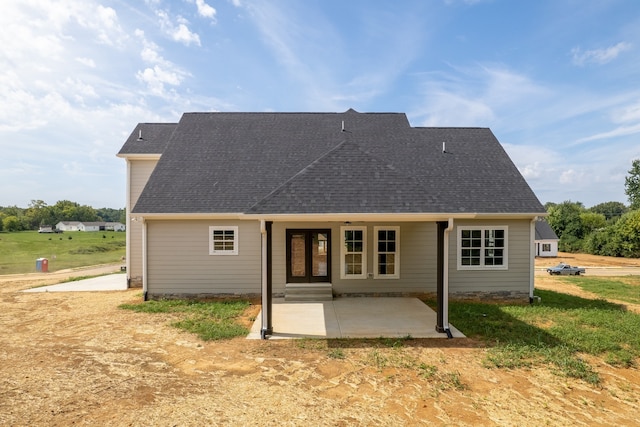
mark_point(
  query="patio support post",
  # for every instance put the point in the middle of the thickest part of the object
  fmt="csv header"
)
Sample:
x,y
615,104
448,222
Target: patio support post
x,y
442,225
267,283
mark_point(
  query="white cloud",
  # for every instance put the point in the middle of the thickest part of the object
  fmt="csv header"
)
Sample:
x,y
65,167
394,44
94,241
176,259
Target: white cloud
x,y
477,96
179,31
450,109
87,61
571,176
598,56
629,119
183,35
617,132
157,77
205,10
630,113
79,89
107,26
162,72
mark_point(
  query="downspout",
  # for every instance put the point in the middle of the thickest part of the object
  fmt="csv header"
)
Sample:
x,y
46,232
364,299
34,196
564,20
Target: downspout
x,y
266,329
445,305
127,252
532,258
144,260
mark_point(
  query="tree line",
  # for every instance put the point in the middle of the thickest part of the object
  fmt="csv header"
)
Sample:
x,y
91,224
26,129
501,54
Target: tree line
x,y
38,213
610,228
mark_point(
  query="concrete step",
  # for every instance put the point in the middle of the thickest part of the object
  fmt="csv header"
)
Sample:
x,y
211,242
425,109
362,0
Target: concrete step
x,y
308,292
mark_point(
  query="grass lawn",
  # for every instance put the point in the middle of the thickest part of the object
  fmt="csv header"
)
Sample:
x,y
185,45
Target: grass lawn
x,y
558,331
625,289
209,320
19,251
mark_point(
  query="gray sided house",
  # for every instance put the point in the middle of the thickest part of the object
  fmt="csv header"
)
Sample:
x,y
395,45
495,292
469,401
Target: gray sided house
x,y
325,204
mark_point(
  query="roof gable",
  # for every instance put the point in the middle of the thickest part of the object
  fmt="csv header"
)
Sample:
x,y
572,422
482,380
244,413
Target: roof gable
x,y
346,179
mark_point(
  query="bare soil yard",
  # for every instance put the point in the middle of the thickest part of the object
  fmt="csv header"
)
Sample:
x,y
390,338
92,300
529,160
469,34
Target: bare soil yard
x,y
76,359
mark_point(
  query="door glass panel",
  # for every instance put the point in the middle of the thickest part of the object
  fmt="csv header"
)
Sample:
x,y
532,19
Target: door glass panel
x,y
298,264
319,254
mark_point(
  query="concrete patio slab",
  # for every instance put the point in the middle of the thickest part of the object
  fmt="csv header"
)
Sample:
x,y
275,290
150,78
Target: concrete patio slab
x,y
110,282
353,318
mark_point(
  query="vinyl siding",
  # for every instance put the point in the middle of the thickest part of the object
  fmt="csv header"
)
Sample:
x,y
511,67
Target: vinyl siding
x,y
514,279
179,260
417,259
553,245
139,175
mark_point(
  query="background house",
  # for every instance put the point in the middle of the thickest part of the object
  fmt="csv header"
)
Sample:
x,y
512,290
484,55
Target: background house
x,y
546,241
68,225
90,226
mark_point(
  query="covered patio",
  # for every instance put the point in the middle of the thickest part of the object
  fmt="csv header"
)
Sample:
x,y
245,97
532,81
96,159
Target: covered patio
x,y
354,317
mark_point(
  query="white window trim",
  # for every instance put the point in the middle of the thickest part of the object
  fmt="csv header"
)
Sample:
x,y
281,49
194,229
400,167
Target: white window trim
x,y
343,252
376,275
504,266
213,228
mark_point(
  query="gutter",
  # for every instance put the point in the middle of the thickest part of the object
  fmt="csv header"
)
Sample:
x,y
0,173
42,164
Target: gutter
x,y
337,217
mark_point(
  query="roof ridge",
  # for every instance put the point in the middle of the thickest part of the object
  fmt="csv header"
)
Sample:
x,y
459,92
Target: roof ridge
x,y
349,111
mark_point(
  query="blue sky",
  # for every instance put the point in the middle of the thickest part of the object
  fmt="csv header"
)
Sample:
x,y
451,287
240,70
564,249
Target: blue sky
x,y
557,81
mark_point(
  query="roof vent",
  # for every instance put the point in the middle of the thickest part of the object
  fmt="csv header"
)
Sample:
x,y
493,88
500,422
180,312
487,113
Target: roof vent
x,y
343,126
140,135
444,147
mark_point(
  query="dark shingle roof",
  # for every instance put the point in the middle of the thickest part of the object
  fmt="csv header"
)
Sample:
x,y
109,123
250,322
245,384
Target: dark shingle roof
x,y
148,138
307,163
544,231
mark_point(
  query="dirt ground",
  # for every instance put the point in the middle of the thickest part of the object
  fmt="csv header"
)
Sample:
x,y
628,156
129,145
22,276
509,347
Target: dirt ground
x,y
76,359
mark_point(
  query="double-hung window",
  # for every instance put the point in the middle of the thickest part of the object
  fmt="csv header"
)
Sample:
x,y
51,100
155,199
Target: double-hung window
x,y
387,252
482,248
353,253
223,240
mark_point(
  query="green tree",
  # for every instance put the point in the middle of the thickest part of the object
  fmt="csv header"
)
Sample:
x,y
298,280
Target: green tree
x,y
610,210
65,210
564,218
632,185
111,215
11,223
37,214
627,231
592,221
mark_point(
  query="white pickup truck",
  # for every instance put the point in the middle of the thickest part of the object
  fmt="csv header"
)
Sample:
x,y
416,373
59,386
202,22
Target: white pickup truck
x,y
565,269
